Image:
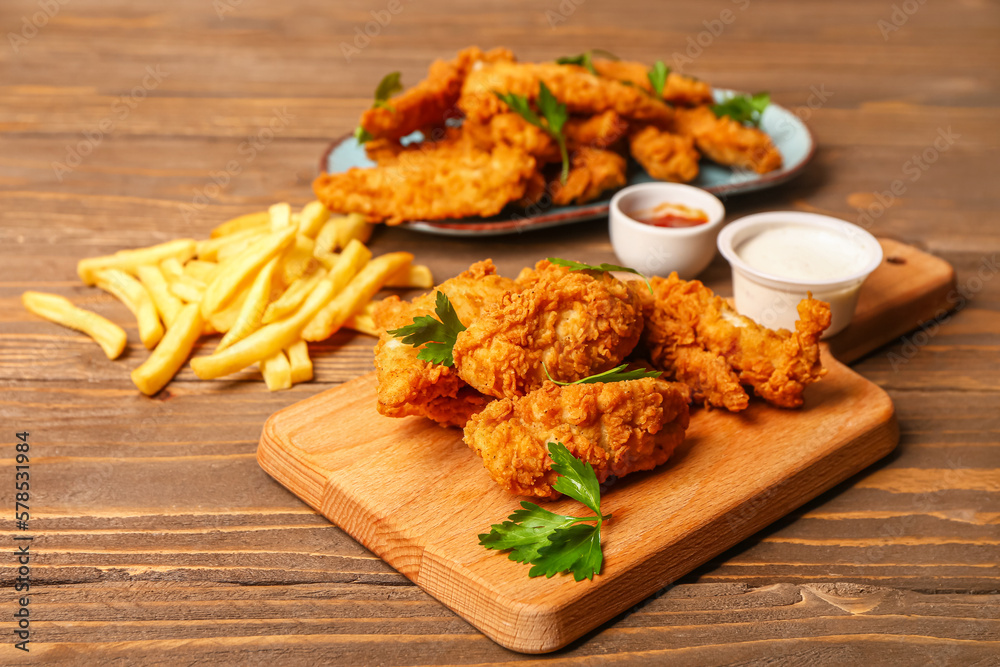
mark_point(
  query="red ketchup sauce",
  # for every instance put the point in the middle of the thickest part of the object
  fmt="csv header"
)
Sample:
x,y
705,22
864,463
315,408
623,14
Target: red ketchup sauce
x,y
668,214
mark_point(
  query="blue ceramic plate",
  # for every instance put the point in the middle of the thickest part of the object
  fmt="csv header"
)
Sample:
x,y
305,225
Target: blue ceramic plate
x,y
788,132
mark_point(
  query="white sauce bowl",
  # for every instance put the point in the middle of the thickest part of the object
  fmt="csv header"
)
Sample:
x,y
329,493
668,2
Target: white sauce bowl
x,y
656,251
778,257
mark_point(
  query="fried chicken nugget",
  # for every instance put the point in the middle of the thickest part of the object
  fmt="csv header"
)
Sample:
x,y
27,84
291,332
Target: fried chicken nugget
x,y
573,323
726,141
617,427
582,92
592,172
410,386
664,155
695,335
433,100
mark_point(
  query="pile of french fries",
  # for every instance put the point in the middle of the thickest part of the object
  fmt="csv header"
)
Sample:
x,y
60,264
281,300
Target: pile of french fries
x,y
269,282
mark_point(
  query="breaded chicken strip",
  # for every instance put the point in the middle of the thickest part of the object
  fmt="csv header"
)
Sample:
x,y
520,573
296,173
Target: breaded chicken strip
x,y
690,332
727,142
665,156
592,172
681,91
617,427
433,100
581,92
573,323
410,386
450,178
602,131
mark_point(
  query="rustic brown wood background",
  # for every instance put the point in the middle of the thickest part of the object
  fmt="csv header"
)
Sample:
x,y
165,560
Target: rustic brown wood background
x,y
157,537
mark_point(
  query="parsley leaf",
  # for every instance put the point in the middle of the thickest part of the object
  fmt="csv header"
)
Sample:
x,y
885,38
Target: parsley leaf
x,y
436,335
386,88
551,542
616,374
658,77
743,108
580,266
554,116
577,479
527,530
586,59
576,549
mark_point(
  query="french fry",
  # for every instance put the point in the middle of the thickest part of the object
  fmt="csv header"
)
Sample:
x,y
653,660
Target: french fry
x,y
326,239
413,276
363,323
168,357
361,289
226,283
277,371
248,319
298,359
61,310
223,320
327,259
136,298
276,336
349,264
129,260
187,289
353,226
233,249
249,221
208,249
281,216
171,268
312,217
200,270
292,297
167,304
297,260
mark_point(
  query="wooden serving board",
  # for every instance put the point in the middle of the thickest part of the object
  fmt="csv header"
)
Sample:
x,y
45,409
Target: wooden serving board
x,y
413,492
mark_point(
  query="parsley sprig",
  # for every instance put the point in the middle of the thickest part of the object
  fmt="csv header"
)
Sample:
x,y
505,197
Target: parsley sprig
x,y
551,542
580,266
616,374
658,75
436,335
386,88
746,109
586,59
554,116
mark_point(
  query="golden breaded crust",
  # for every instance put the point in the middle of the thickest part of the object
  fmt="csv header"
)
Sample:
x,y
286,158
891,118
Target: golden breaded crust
x,y
582,92
618,427
727,142
433,100
575,324
451,178
681,91
664,155
683,317
410,386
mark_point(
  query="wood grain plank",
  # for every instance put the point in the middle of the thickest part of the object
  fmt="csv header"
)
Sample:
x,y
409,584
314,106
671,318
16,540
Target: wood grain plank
x,y
112,486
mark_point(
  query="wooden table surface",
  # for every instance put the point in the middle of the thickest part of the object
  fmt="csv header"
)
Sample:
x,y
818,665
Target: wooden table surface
x,y
158,538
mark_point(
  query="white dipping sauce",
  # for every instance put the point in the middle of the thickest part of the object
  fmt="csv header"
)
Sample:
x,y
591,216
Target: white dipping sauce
x,y
803,253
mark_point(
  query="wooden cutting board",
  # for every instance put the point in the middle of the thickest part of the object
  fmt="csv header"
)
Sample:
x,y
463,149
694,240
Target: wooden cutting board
x,y
413,492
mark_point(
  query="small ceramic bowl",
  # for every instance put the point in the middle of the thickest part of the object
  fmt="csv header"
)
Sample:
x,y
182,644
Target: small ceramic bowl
x,y
806,252
656,251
